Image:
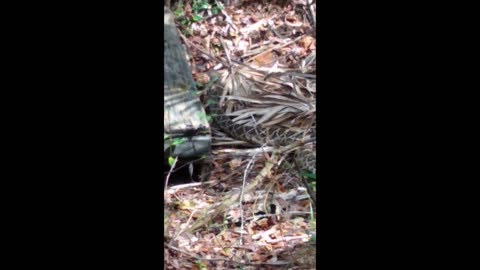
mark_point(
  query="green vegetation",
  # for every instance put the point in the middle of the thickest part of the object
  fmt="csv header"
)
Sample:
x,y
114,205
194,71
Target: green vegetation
x,y
199,8
173,142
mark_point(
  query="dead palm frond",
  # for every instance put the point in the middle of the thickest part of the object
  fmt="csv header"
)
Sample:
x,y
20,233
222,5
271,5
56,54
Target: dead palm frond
x,y
252,99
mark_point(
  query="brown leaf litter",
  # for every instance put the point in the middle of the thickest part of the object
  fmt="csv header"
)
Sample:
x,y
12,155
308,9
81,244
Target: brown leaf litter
x,y
265,50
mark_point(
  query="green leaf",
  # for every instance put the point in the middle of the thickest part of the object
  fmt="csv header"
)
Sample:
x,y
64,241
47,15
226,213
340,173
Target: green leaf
x,y
201,265
200,5
310,175
171,160
178,141
207,118
221,7
179,13
197,17
204,116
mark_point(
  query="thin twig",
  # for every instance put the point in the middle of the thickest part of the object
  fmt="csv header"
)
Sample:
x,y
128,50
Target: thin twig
x,y
170,172
231,198
178,187
243,152
282,45
245,174
186,226
227,54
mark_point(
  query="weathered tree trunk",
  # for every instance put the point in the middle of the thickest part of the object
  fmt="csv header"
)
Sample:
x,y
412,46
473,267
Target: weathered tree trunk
x,y
184,115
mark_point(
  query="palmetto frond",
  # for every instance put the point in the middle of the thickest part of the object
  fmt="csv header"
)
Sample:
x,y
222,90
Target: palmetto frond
x,y
251,98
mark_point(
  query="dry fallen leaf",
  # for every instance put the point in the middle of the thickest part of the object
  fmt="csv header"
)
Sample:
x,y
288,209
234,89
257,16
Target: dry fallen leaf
x,y
306,42
235,163
264,59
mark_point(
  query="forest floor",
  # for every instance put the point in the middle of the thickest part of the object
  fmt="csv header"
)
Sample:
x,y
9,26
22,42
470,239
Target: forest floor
x,y
248,213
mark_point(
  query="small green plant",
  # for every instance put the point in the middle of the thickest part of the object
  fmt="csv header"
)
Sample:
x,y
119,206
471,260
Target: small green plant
x,y
201,265
172,142
199,9
312,180
178,141
310,175
179,11
171,161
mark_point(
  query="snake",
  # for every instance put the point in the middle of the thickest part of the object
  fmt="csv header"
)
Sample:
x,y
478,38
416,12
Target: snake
x,y
181,105
275,136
